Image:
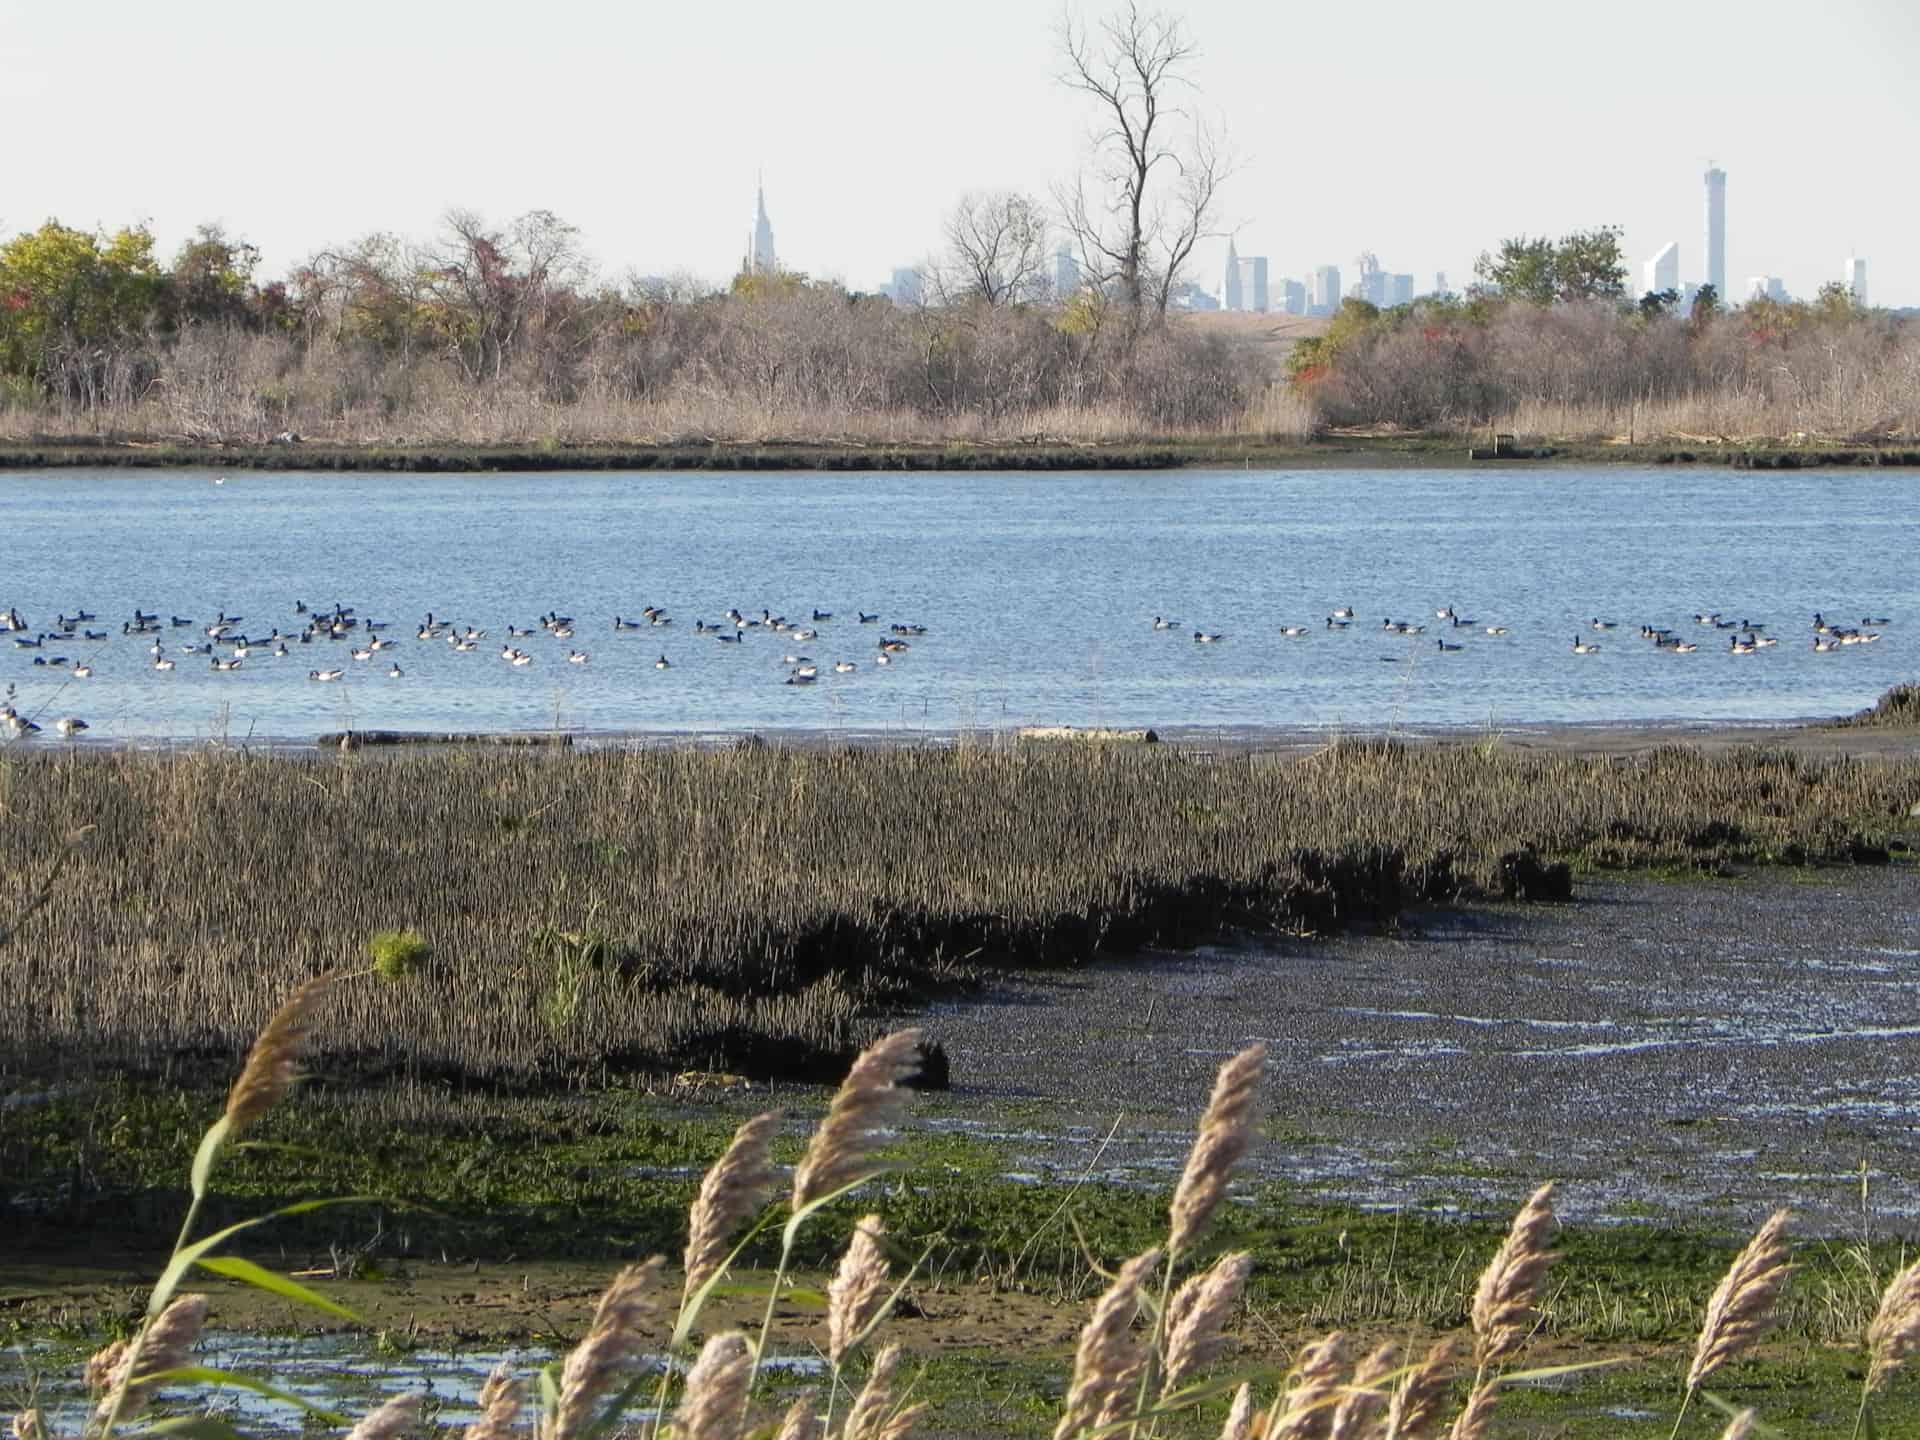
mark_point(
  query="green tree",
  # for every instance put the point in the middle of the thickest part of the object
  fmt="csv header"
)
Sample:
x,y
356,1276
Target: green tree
x,y
212,278
1587,265
68,297
1706,305
1523,270
1656,303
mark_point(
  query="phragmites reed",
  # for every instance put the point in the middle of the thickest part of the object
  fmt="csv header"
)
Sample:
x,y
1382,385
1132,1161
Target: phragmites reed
x,y
732,1193
1197,1316
799,1423
102,1364
169,1337
870,1100
1742,1306
1305,1411
1239,1424
1742,1426
608,1348
499,1403
398,1415
1365,1400
1414,1411
1503,1313
873,1416
714,1405
1895,1328
858,1291
1108,1357
28,1425
272,1062
1476,1419
1225,1132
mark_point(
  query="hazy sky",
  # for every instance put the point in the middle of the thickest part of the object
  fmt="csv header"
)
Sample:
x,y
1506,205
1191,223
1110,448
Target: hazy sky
x,y
1418,130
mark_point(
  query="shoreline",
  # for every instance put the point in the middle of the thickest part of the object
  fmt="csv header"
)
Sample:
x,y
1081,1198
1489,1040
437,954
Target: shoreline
x,y
1383,452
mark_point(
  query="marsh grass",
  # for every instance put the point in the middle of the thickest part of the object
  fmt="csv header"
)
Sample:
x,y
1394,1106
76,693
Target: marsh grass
x,y
757,910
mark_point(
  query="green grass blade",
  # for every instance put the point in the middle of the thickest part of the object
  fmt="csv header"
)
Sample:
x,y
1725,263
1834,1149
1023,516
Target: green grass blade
x,y
208,1152
234,1268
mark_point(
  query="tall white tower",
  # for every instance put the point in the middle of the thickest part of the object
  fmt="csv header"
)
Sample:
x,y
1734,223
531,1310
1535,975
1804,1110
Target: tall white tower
x,y
1854,277
760,259
1662,272
1717,230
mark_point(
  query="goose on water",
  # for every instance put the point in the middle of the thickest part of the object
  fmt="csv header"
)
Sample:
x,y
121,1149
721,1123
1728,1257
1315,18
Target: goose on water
x,y
1584,647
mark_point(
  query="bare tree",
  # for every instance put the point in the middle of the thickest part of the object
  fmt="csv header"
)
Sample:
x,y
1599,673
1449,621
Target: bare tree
x,y
996,250
496,285
1148,194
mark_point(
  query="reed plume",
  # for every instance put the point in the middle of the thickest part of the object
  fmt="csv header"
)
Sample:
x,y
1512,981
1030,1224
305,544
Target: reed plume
x,y
1239,1424
1503,1302
732,1193
1742,1426
608,1348
1108,1356
1305,1410
1414,1411
1365,1400
858,1291
165,1345
398,1415
715,1403
273,1062
28,1424
1742,1306
499,1404
799,1423
1476,1419
873,1416
1225,1133
1895,1328
869,1101
1197,1316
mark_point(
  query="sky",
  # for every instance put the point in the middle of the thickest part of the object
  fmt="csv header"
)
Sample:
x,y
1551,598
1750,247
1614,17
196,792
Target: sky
x,y
1420,131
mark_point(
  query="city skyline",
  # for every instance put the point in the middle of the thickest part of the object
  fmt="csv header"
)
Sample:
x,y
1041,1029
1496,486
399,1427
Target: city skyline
x,y
1452,135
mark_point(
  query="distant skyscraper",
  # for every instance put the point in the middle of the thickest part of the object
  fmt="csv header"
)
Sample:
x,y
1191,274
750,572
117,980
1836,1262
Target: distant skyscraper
x,y
1766,287
1326,289
1295,297
1232,296
1399,289
908,288
1440,282
1717,230
1662,272
1066,275
760,259
1854,277
1253,283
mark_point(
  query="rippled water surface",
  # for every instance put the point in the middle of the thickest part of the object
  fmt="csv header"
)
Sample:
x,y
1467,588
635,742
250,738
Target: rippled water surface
x,y
1038,593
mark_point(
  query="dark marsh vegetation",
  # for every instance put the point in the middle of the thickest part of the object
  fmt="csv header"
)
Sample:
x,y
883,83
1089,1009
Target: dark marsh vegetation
x,y
758,909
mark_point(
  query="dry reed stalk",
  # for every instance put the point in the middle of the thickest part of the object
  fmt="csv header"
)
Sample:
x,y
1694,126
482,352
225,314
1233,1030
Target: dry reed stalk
x,y
799,1423
499,1404
1364,1401
271,1063
1477,1418
715,1402
607,1349
1895,1328
399,1414
1197,1315
869,1100
732,1193
1742,1426
1225,1132
1305,1411
102,1364
1239,1424
858,1291
1108,1354
28,1425
169,1337
1503,1302
1414,1412
1742,1305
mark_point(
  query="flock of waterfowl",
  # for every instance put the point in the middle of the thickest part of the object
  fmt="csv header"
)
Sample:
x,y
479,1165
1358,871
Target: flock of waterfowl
x,y
1744,637
225,646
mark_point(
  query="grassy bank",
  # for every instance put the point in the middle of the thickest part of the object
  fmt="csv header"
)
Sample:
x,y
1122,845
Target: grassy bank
x,y
584,916
1152,453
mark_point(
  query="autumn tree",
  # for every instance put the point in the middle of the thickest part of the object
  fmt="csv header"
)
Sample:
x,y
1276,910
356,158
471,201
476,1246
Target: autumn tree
x,y
996,250
74,304
1148,193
